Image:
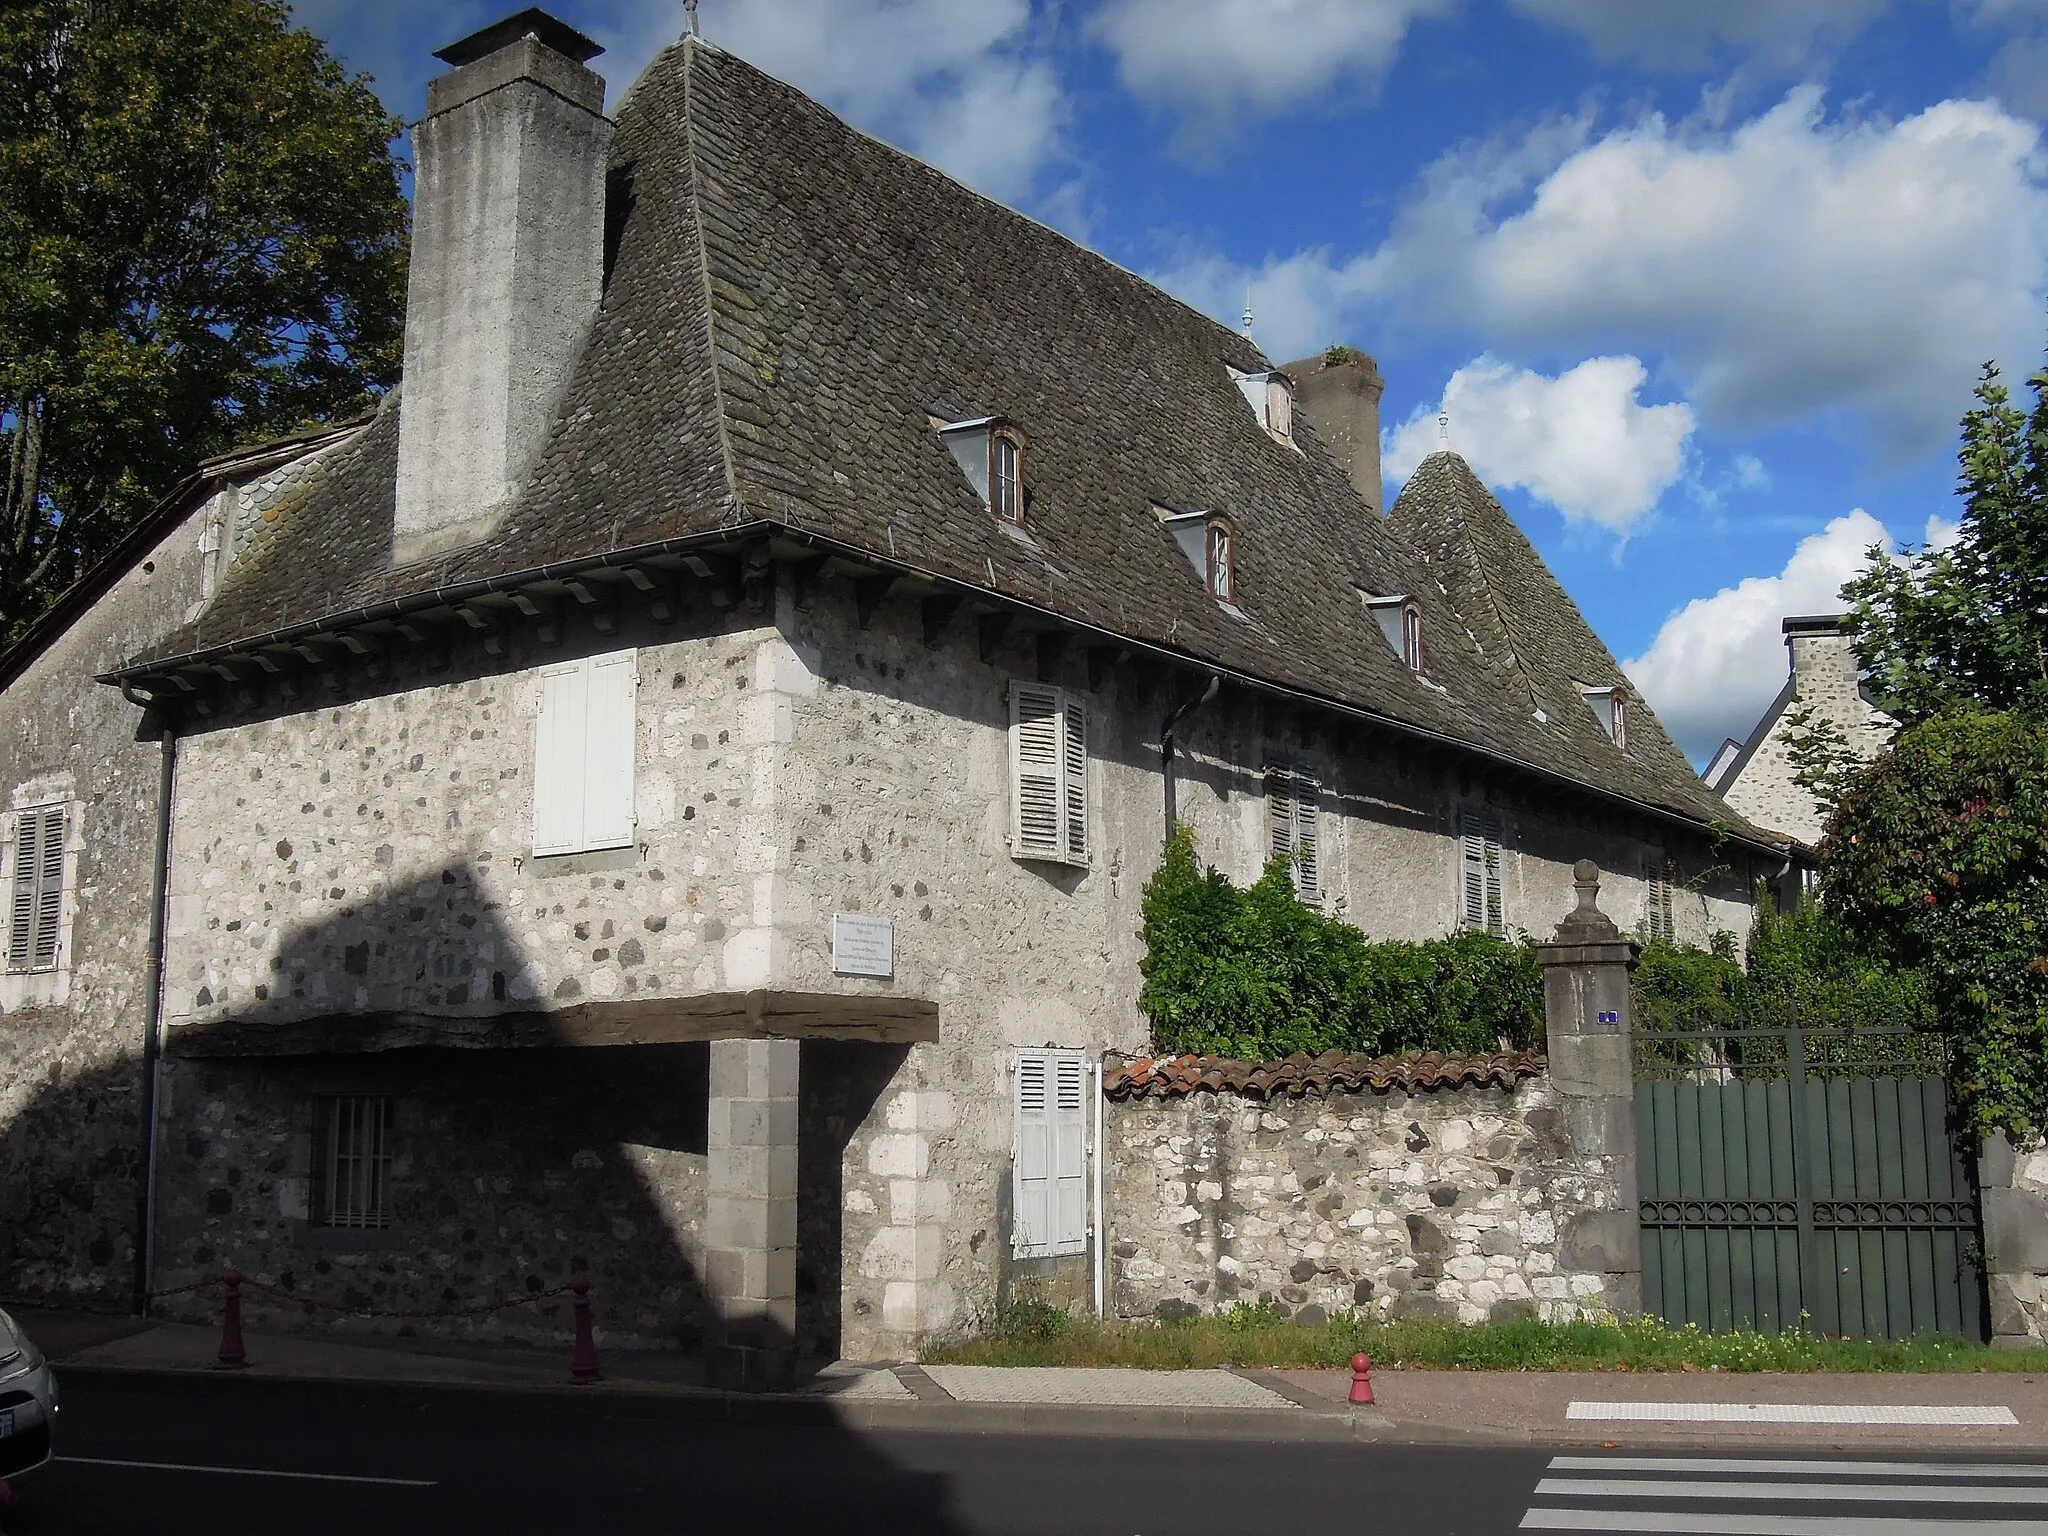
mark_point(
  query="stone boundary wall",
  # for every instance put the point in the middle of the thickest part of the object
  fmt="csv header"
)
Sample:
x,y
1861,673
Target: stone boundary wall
x,y
1463,1200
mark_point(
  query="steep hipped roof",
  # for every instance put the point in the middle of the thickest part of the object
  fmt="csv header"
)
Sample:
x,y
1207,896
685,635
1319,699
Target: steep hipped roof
x,y
792,303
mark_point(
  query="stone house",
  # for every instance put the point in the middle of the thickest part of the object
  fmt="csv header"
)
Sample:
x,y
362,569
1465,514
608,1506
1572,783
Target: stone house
x,y
667,796
1757,777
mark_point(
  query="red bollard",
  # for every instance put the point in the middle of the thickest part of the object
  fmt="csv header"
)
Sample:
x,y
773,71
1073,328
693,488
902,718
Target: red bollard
x,y
583,1360
1361,1379
232,1356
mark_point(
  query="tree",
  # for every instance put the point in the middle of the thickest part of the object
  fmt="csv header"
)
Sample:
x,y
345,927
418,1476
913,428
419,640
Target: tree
x,y
202,244
1969,625
1938,859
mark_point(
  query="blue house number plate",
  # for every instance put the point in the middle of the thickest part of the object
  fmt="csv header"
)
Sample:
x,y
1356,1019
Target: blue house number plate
x,y
1610,1018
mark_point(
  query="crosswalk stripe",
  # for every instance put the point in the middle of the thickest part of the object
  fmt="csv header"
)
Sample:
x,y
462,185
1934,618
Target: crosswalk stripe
x,y
1836,1493
1743,1523
1795,1413
1965,1469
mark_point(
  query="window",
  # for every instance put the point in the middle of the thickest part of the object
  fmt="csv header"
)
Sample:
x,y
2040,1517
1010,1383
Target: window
x,y
355,1162
1660,917
1006,475
1610,708
583,755
1291,801
1048,774
990,453
1049,1154
1221,542
1400,623
1479,839
37,912
1271,397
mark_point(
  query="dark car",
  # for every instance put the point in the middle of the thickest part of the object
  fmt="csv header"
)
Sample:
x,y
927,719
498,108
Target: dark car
x,y
28,1404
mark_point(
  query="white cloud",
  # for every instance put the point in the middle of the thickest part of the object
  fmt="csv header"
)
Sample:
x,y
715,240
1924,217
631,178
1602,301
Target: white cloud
x,y
1940,531
1218,58
1584,441
1719,661
952,81
1693,32
1790,267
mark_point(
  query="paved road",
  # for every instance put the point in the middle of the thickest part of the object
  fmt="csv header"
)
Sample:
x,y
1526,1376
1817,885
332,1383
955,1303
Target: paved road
x,y
398,1461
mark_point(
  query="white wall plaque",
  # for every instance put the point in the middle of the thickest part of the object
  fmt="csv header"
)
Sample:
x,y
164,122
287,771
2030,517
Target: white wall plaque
x,y
863,946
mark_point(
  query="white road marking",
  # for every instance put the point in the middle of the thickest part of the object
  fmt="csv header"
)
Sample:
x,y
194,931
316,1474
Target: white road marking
x,y
1971,1469
1794,1413
311,1477
1741,1524
1873,1493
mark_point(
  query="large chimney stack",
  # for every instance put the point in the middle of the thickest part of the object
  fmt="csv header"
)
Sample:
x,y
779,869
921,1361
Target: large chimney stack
x,y
507,271
1339,392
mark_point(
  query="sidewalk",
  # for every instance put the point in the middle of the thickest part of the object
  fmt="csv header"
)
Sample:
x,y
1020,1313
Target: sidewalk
x,y
1499,1407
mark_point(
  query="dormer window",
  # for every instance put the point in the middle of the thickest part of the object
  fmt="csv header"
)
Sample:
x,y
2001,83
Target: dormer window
x,y
1006,474
990,452
1610,708
1400,622
1220,545
1271,397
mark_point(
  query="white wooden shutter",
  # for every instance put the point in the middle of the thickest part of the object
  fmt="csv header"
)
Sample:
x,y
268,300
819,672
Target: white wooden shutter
x,y
558,759
1031,1194
1074,757
1480,842
50,888
608,754
28,863
1038,809
1069,1153
1292,800
1049,1198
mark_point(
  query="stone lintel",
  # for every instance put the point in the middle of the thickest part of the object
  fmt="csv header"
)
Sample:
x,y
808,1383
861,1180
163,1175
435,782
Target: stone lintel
x,y
756,1015
1622,952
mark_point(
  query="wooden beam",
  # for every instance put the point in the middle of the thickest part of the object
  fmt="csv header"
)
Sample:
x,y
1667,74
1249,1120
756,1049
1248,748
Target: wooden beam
x,y
989,633
868,592
638,1021
1052,650
938,613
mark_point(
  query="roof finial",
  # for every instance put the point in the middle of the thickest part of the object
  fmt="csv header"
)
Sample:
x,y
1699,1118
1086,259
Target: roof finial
x,y
690,7
1443,430
1247,311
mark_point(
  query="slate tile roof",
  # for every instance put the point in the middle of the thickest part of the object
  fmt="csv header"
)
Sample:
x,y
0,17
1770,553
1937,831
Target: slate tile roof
x,y
1166,1077
790,304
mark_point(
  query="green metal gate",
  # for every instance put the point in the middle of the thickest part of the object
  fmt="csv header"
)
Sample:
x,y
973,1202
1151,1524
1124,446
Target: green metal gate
x,y
1804,1178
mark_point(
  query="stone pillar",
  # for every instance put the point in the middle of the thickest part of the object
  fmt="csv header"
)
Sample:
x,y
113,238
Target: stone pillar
x,y
1590,1024
750,1220
2014,1190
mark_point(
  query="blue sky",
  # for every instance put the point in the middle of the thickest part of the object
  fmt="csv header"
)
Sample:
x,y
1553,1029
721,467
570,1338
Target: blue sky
x,y
1702,284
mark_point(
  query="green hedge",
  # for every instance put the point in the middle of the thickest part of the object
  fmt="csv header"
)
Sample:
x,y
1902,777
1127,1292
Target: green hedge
x,y
1258,974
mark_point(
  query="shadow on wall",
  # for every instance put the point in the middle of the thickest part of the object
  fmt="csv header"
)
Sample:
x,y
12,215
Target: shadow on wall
x,y
510,1167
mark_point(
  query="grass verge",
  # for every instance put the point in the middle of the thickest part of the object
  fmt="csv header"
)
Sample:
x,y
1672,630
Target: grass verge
x,y
1031,1333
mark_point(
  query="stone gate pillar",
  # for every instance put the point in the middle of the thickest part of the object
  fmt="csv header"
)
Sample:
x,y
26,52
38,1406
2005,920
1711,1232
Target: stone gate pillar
x,y
750,1216
1590,1024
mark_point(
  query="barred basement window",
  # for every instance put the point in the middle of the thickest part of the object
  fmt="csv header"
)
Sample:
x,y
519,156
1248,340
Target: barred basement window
x,y
1291,800
37,910
355,1161
1479,840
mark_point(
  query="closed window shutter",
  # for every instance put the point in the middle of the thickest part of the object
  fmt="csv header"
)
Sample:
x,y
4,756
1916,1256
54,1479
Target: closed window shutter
x,y
28,863
1037,772
1075,755
1291,817
49,889
1480,840
608,752
1661,921
1031,1202
1070,1154
558,758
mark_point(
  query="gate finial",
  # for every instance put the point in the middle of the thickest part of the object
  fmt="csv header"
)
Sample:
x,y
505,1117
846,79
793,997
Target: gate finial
x,y
1586,923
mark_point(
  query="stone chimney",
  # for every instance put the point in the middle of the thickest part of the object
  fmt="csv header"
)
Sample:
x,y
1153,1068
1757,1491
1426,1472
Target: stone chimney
x,y
1823,662
1339,392
507,271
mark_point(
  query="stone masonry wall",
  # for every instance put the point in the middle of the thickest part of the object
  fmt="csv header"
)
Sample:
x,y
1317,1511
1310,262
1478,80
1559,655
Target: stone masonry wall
x,y
1458,1203
1827,678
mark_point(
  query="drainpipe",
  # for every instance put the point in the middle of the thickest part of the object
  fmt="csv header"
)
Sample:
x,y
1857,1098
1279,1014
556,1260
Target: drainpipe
x,y
153,998
1166,746
1101,1215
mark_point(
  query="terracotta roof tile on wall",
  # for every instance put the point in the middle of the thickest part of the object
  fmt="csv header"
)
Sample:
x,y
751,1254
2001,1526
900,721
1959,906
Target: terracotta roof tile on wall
x,y
1331,1072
